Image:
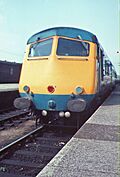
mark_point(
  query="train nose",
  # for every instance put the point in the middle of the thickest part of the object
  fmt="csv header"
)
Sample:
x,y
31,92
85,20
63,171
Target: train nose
x,y
51,104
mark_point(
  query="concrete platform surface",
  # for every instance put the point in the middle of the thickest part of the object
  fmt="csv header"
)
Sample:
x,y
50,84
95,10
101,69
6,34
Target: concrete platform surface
x,y
94,151
8,87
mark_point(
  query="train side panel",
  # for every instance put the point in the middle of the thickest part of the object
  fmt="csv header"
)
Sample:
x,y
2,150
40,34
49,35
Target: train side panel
x,y
9,72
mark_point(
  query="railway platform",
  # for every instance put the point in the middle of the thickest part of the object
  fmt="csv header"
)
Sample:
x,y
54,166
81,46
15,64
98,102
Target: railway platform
x,y
8,87
94,150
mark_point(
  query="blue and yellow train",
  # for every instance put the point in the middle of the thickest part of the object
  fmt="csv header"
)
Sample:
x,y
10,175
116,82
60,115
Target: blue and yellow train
x,y
64,70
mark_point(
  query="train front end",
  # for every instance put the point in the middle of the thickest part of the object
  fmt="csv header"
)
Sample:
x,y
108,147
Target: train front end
x,y
58,73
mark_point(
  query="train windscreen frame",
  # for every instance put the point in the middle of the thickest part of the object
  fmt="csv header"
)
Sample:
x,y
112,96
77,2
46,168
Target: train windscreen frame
x,y
67,47
41,48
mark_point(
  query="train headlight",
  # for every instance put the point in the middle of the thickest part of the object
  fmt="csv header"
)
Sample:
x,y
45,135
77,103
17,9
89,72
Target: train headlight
x,y
44,113
79,90
26,89
61,114
67,114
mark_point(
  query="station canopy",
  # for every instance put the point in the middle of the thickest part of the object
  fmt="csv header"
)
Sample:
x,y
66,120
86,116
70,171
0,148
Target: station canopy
x,y
64,31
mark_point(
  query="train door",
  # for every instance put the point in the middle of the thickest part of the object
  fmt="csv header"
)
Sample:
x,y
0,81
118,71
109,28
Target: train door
x,y
100,68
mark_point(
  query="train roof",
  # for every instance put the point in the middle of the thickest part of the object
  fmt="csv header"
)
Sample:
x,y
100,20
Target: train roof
x,y
9,63
64,31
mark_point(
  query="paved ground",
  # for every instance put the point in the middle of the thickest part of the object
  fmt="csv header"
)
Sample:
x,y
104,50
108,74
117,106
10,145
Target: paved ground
x,y
94,149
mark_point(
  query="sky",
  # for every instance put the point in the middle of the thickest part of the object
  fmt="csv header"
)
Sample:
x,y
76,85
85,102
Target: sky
x,y
19,19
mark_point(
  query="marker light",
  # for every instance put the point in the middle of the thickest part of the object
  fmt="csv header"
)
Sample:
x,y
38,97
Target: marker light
x,y
26,88
79,90
51,89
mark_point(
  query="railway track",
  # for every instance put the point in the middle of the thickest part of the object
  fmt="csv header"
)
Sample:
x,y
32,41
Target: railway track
x,y
28,155
10,118
7,110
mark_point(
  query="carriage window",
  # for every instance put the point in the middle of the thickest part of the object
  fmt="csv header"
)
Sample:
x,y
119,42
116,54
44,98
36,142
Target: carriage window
x,y
68,47
42,48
